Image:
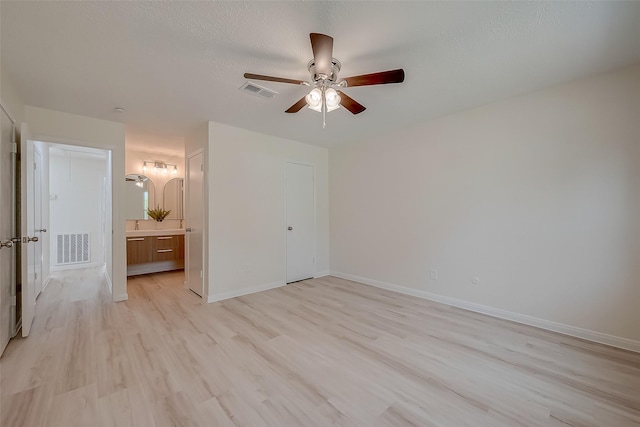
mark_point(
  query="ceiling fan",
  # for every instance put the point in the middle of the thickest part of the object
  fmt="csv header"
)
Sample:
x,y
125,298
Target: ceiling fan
x,y
324,68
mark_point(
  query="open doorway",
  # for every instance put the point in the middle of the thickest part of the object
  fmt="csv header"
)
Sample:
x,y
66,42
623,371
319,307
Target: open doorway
x,y
79,202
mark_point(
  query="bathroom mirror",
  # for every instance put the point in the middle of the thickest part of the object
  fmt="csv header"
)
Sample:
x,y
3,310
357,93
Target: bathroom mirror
x,y
173,196
140,195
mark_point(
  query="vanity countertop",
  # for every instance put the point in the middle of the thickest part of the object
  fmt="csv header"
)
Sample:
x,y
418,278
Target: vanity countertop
x,y
167,232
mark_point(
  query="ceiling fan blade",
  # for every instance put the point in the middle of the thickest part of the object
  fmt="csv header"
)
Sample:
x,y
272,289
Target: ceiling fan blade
x,y
272,79
322,46
350,104
381,78
297,106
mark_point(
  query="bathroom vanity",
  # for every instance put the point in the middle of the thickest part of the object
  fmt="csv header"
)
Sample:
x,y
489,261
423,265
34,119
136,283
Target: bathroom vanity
x,y
153,251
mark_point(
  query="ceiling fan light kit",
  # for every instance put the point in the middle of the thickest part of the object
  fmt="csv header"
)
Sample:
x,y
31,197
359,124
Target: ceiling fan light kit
x,y
324,69
317,97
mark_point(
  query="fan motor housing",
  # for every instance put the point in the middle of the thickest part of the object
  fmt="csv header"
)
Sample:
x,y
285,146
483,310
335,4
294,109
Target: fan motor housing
x,y
315,77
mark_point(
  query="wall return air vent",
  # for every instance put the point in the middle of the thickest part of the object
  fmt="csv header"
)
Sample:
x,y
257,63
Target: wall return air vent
x,y
258,90
72,248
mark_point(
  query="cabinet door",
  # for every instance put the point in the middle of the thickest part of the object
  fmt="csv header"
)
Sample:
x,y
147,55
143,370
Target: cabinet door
x,y
138,250
181,244
166,248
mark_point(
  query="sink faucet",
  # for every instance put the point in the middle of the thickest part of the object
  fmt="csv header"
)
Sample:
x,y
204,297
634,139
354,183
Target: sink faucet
x,y
137,225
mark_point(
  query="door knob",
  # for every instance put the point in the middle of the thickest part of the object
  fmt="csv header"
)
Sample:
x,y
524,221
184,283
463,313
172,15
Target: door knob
x,y
188,230
29,239
289,228
6,244
43,230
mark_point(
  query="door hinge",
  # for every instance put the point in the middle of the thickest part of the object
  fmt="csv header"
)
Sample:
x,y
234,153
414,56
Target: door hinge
x,y
14,148
35,165
36,276
202,168
12,301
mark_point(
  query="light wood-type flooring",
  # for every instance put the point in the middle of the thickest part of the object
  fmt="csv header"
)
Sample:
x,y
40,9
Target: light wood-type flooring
x,y
320,352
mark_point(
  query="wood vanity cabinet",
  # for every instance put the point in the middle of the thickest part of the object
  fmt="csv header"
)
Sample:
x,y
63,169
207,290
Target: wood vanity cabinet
x,y
152,254
166,248
138,250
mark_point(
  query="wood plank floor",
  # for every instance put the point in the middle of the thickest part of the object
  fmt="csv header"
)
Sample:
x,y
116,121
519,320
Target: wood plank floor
x,y
316,353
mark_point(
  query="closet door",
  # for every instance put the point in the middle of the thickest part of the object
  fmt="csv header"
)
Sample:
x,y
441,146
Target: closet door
x,y
301,222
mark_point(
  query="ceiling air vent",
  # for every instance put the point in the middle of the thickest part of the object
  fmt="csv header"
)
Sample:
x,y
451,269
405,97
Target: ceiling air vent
x,y
258,90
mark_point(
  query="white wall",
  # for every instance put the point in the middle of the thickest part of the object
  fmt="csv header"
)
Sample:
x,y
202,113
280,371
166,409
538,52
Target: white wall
x,y
247,207
58,127
76,183
538,196
133,165
10,98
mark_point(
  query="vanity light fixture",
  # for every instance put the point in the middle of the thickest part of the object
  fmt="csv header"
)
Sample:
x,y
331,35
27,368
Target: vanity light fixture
x,y
159,166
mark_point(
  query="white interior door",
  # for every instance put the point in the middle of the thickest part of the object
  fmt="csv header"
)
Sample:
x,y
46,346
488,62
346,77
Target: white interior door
x,y
195,223
301,223
27,229
36,247
7,231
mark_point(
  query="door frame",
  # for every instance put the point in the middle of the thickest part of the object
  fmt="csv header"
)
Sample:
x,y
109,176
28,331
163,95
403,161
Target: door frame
x,y
315,214
27,187
118,260
38,176
205,228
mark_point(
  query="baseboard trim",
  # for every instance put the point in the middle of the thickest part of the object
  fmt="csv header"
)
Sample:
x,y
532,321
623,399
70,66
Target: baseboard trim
x,y
46,283
246,291
322,274
598,337
75,266
108,279
120,297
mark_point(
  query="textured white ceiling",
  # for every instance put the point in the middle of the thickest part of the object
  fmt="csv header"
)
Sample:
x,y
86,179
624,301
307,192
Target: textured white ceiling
x,y
172,65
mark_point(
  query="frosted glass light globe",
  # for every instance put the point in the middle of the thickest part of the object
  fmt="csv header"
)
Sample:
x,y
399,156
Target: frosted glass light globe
x,y
314,98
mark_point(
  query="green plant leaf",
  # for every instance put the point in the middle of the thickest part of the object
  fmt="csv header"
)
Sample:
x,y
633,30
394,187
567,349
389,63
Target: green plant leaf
x,y
158,213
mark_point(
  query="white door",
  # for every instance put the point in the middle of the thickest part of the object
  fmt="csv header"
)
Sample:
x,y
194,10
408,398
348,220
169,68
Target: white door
x,y
7,231
27,273
195,223
300,199
36,247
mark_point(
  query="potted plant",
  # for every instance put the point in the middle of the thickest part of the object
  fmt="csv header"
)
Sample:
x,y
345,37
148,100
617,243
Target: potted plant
x,y
158,213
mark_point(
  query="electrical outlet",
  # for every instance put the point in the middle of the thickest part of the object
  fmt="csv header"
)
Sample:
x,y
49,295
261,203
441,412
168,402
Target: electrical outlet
x,y
475,280
434,274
